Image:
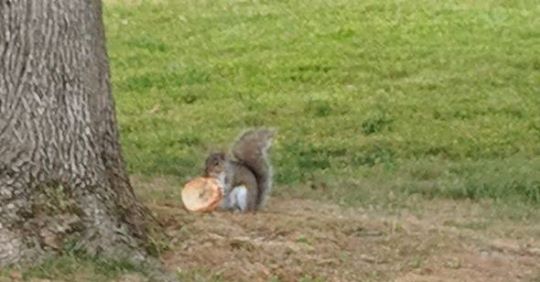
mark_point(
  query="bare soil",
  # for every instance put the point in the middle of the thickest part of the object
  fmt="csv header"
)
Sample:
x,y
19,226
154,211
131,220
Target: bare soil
x,y
294,239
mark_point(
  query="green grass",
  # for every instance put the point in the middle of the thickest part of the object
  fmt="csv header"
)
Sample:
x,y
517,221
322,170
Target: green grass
x,y
71,267
377,103
422,97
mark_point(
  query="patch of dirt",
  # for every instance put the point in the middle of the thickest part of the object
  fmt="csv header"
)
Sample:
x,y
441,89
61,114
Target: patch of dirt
x,y
293,239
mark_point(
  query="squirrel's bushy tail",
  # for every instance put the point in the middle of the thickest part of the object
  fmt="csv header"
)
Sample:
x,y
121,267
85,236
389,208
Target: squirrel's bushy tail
x,y
252,149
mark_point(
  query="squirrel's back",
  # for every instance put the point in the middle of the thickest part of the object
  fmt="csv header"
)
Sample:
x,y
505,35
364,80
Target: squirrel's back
x,y
251,149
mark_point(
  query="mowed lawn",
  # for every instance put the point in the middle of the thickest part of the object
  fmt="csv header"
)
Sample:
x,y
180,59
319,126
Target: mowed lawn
x,y
423,97
408,145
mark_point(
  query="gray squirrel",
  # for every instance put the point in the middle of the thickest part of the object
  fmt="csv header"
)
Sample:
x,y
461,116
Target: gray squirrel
x,y
245,174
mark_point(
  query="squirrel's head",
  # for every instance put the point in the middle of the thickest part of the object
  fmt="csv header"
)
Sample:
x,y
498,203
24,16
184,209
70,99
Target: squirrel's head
x,y
215,164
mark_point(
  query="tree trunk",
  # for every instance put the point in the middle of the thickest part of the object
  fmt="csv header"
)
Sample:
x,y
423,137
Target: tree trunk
x,y
62,176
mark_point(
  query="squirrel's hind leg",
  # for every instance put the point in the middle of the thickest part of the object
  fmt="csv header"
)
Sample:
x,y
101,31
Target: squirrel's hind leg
x,y
236,200
239,198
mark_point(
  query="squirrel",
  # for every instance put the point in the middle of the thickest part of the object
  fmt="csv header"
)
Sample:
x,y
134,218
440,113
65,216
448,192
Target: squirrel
x,y
245,174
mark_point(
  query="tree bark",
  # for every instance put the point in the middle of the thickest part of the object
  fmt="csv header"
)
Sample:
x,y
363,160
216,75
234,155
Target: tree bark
x,y
62,176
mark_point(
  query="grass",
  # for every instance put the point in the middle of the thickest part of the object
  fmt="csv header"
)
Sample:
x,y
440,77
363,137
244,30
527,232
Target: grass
x,y
443,98
378,104
71,267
